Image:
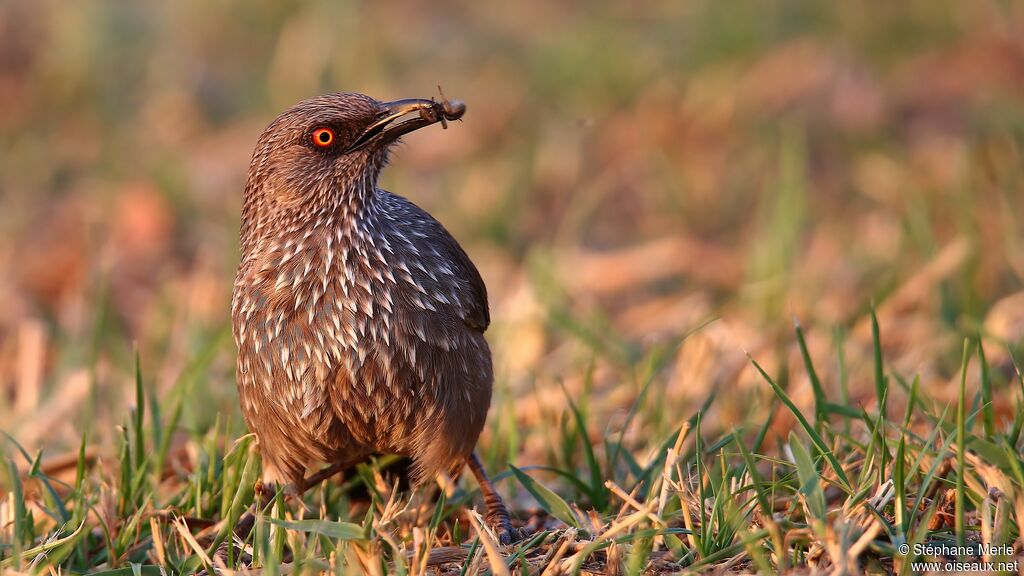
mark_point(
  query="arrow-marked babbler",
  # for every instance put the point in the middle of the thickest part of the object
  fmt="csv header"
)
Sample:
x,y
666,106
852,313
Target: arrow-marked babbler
x,y
359,319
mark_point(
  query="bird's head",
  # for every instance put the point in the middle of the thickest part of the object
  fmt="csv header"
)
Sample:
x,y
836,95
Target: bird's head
x,y
328,151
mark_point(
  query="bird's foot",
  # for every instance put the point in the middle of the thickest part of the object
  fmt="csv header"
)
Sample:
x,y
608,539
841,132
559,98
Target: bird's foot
x,y
499,522
498,519
497,514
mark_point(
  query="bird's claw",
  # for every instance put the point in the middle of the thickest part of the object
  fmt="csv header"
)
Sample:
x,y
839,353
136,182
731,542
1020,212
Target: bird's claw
x,y
513,535
504,531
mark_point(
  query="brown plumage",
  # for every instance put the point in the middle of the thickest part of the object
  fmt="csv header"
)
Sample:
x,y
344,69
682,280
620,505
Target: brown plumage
x,y
359,319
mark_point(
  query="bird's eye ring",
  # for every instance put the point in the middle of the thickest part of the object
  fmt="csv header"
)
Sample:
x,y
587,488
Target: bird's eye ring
x,y
323,137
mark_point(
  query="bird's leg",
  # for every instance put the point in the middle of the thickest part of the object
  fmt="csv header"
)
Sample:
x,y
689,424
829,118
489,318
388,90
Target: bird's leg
x,y
321,475
497,514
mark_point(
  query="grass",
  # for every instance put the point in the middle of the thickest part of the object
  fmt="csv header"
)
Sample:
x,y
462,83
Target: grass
x,y
843,491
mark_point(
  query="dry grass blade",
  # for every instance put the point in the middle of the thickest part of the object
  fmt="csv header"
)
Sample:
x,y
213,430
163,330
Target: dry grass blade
x,y
862,543
551,563
183,531
490,544
615,489
615,528
158,541
665,479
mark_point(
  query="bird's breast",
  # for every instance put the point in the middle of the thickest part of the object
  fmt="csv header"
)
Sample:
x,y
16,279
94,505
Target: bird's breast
x,y
320,303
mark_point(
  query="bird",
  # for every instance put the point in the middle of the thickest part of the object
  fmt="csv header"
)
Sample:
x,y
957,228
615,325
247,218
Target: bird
x,y
359,319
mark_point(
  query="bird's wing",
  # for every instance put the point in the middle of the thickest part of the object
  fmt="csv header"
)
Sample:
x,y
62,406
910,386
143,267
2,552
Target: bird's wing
x,y
415,374
428,256
415,377
473,293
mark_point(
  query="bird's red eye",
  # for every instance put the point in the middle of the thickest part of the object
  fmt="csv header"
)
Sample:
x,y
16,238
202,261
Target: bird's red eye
x,y
323,137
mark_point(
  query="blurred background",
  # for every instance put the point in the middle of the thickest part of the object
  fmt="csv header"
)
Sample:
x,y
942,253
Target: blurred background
x,y
650,189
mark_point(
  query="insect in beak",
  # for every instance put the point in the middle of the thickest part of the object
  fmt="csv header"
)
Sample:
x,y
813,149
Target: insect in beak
x,y
389,125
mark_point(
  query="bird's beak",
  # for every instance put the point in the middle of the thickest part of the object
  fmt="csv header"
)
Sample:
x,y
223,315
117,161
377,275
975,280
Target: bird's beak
x,y
389,125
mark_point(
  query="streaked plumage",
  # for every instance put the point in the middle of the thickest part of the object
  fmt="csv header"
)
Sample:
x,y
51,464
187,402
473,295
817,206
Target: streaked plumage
x,y
359,319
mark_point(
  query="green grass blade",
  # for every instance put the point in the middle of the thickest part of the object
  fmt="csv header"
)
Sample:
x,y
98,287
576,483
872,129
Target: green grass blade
x,y
613,457
843,410
469,556
763,432
987,410
140,413
911,401
899,482
755,477
881,385
844,381
553,503
819,443
1018,420
705,528
438,516
19,447
49,547
1016,467
582,486
165,441
53,500
810,483
596,492
20,512
961,448
820,400
243,494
